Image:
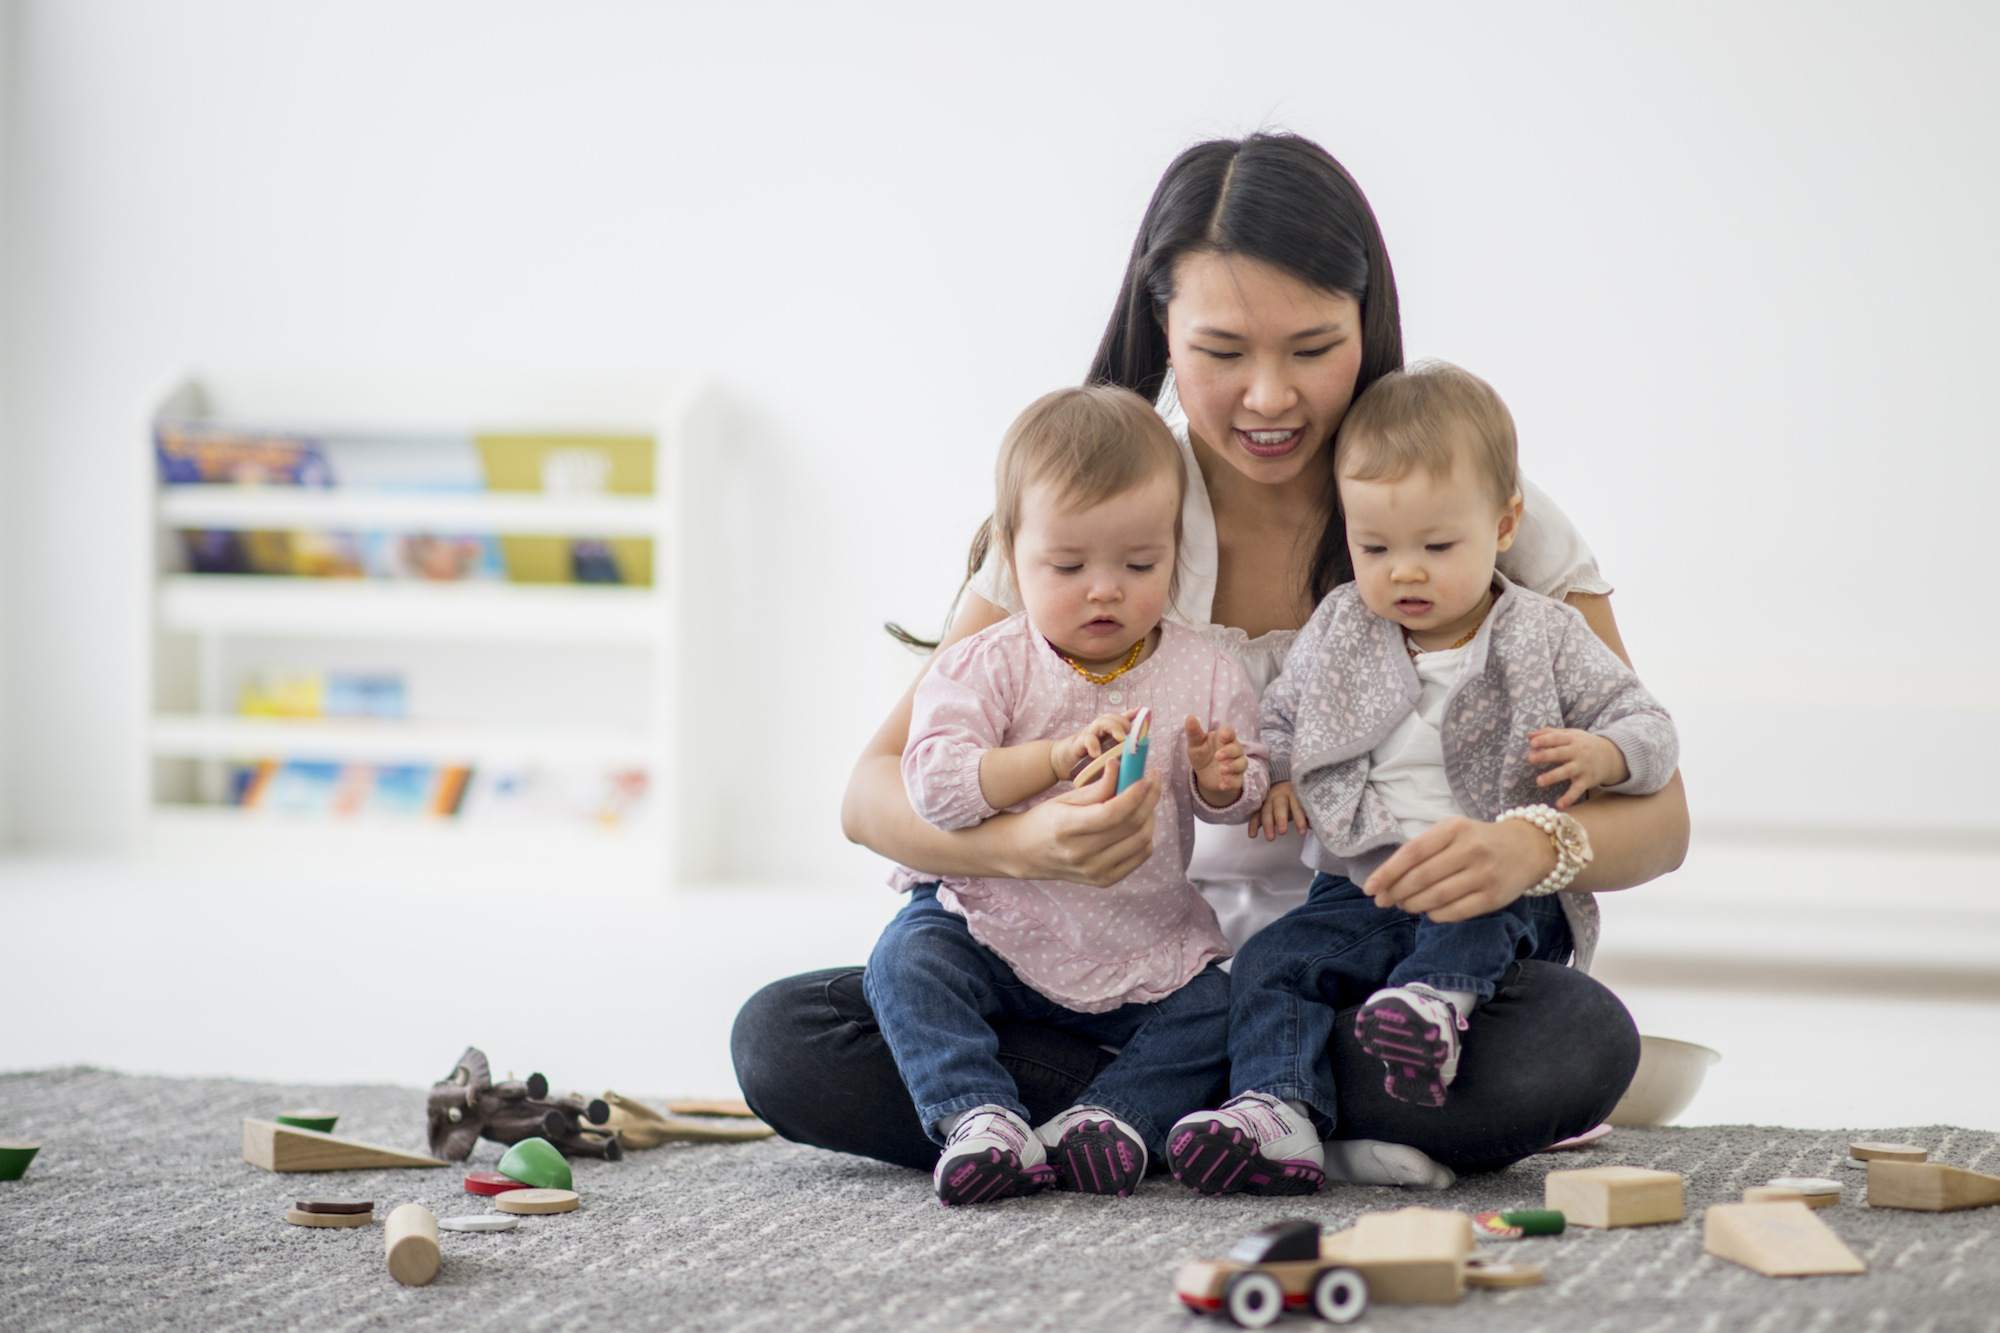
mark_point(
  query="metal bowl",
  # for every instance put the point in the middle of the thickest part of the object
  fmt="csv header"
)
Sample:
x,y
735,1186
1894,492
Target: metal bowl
x,y
1670,1074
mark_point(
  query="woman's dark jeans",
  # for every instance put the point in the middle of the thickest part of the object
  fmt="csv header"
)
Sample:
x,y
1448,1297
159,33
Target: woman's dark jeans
x,y
1555,1052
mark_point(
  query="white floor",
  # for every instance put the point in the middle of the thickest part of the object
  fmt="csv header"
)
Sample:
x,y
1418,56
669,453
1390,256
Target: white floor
x,y
298,976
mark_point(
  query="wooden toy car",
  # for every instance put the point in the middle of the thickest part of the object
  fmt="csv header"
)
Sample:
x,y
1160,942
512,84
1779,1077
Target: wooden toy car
x,y
1269,1272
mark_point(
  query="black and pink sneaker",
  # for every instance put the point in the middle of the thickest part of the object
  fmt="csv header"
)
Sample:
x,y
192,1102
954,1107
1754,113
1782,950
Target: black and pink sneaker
x,y
1254,1144
991,1154
1094,1152
1413,1031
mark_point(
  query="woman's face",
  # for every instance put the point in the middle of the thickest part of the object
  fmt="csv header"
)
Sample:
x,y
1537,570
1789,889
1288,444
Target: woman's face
x,y
1264,364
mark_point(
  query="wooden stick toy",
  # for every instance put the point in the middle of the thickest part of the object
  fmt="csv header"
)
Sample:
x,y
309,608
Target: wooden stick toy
x,y
1483,1273
277,1147
1929,1187
1615,1196
410,1241
1777,1240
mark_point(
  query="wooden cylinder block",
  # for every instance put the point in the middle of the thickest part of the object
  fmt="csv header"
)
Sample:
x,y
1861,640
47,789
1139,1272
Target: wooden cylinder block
x,y
411,1240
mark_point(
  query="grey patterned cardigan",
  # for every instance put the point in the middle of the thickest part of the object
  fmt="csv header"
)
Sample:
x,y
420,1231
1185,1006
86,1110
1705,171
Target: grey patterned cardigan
x,y
1348,682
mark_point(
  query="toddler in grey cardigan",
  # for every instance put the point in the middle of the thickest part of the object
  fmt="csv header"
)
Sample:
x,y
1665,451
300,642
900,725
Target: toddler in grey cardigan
x,y
1428,688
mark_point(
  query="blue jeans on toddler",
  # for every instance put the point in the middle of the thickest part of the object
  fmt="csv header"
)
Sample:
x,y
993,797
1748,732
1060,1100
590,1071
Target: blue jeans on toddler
x,y
936,992
1336,949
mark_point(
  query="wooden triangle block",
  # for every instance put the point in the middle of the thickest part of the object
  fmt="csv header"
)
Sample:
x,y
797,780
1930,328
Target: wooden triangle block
x,y
277,1147
1777,1240
1929,1187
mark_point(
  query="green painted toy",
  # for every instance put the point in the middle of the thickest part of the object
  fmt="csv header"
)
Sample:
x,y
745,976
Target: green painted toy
x,y
314,1119
14,1158
536,1162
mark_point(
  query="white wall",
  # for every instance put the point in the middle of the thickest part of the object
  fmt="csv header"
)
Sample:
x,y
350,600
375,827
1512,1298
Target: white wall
x,y
1731,267
8,499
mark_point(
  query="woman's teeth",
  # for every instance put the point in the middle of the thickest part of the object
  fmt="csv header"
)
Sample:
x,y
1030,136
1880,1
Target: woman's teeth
x,y
1269,436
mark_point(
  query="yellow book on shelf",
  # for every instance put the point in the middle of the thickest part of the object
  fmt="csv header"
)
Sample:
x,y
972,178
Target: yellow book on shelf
x,y
571,465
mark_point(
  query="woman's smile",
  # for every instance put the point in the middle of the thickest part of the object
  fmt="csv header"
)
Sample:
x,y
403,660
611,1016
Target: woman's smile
x,y
1270,443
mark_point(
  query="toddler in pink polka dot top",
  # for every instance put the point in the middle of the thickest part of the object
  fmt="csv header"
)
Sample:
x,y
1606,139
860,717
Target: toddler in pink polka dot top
x,y
1087,512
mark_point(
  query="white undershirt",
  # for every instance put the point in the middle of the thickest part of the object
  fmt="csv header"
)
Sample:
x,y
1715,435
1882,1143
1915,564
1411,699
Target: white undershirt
x,y
1407,769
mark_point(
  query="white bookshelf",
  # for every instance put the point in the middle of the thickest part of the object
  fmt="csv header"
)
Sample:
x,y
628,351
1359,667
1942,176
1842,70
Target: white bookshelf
x,y
576,677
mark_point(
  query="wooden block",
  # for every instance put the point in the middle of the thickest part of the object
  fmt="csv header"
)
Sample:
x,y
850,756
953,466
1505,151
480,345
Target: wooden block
x,y
1615,1196
730,1106
1412,1256
410,1240
299,1217
640,1126
1887,1152
1777,1240
277,1147
1929,1187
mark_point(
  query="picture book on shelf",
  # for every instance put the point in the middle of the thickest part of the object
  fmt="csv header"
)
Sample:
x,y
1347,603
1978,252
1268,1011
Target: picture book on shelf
x,y
225,453
345,555
208,453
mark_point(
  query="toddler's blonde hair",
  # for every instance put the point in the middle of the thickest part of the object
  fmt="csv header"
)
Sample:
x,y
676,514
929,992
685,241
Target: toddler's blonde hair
x,y
1428,416
1088,444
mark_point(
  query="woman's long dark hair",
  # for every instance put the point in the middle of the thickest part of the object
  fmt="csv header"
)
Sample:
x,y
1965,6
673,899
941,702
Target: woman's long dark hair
x,y
1278,198
1281,199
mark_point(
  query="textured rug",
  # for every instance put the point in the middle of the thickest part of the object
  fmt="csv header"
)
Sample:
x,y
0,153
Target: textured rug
x,y
140,1213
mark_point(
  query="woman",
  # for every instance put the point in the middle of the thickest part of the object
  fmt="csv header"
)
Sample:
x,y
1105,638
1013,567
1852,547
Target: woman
x,y
1257,303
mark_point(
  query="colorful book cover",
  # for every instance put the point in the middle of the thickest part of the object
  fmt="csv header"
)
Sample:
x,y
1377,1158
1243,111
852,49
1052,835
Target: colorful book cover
x,y
210,453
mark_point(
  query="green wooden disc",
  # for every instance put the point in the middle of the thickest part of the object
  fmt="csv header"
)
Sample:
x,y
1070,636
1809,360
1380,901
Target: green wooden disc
x,y
322,1121
536,1162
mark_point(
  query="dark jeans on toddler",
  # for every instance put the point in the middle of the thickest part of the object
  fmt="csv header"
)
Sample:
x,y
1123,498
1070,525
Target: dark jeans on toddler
x,y
936,993
1294,977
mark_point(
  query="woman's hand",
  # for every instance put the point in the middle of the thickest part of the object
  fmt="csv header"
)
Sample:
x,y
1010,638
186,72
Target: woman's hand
x,y
1461,868
1086,836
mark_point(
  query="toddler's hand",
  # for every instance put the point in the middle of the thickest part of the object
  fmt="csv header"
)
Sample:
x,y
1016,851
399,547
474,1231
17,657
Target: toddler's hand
x,y
1585,761
1068,752
1280,808
1218,760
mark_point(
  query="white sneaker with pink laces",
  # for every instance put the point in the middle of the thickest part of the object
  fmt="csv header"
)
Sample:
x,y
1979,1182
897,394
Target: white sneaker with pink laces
x,y
1413,1030
991,1154
1254,1144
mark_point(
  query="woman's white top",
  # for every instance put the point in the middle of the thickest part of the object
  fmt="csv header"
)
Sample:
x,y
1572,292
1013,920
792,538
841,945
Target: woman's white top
x,y
1251,882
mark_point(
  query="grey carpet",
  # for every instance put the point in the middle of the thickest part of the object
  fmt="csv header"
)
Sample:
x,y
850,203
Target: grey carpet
x,y
140,1213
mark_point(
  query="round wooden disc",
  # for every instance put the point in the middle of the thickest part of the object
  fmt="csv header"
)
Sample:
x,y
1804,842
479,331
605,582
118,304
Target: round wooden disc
x,y
1771,1194
1887,1152
300,1218
334,1206
1503,1275
478,1222
1806,1185
536,1201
